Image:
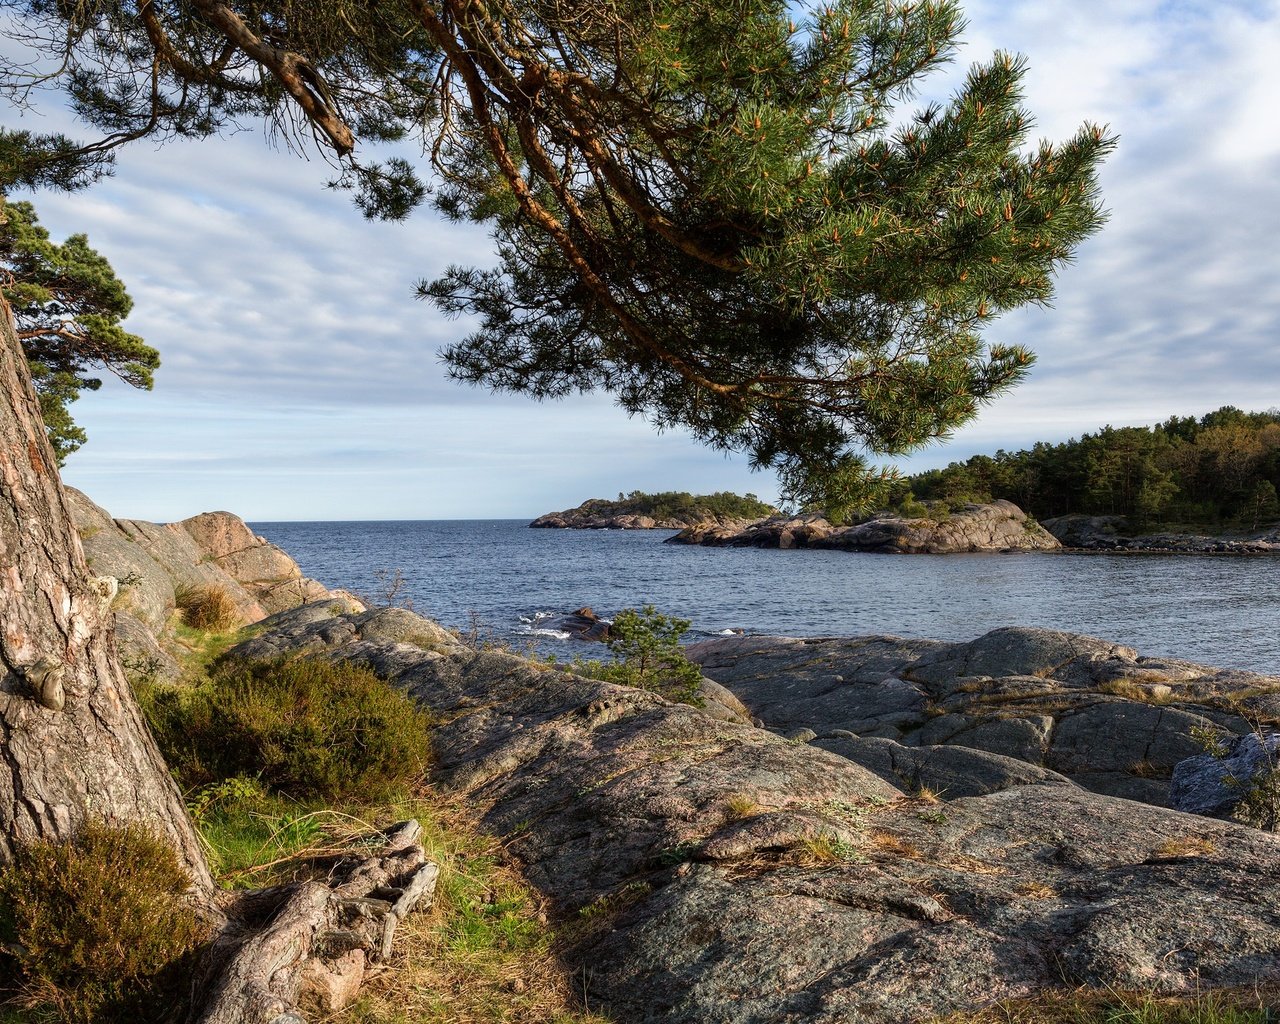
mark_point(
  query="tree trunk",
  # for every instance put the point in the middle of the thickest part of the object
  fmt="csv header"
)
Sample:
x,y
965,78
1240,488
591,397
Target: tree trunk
x,y
73,743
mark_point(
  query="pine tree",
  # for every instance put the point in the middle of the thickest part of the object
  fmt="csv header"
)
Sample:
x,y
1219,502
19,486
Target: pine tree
x,y
68,304
708,209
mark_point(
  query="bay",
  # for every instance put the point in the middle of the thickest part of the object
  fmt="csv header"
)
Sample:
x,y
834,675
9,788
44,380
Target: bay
x,y
508,582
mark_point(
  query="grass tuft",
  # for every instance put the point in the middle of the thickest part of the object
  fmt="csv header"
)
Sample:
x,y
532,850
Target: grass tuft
x,y
738,806
208,608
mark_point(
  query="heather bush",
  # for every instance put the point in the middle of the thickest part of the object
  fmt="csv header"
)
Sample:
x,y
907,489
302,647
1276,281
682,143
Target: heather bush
x,y
97,928
306,728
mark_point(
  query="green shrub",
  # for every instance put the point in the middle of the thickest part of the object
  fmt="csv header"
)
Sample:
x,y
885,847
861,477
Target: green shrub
x,y
97,927
209,608
306,728
647,645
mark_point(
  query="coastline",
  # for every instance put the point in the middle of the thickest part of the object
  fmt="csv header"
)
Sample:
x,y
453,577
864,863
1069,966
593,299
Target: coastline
x,y
956,799
995,526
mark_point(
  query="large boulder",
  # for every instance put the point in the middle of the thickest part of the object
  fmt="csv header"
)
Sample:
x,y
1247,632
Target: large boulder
x,y
1068,658
263,569
1116,735
820,683
188,567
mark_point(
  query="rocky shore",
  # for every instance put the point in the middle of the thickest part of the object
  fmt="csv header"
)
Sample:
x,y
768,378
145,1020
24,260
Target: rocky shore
x,y
149,569
1105,533
870,829
670,511
999,526
578,519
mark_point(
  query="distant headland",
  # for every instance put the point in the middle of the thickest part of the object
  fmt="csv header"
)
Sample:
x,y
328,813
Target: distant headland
x,y
666,510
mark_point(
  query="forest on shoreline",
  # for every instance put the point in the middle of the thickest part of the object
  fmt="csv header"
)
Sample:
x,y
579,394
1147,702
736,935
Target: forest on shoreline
x,y
1221,470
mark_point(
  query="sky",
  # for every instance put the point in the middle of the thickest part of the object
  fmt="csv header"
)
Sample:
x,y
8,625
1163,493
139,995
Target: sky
x,y
300,379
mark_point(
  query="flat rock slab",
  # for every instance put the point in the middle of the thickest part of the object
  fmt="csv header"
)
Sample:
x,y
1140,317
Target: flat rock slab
x,y
1094,711
949,772
734,876
820,683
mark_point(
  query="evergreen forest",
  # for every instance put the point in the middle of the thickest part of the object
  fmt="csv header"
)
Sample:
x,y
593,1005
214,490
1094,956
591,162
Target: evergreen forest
x,y
1220,471
671,504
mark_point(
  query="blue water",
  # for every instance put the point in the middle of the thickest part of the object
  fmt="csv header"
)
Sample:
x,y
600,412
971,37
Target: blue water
x,y
509,580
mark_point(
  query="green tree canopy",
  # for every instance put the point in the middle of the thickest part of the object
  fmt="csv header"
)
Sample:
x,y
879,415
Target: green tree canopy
x,y
1219,470
67,303
711,209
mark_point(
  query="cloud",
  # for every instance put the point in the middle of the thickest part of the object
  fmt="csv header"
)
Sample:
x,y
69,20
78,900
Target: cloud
x,y
301,378
1172,308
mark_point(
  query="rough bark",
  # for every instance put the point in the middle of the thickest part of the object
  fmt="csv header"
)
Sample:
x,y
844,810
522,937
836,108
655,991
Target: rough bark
x,y
73,742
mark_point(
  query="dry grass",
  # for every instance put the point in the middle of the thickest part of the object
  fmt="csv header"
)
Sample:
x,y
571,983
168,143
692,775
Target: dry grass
x,y
889,845
1158,693
208,608
824,850
1036,891
1192,846
1150,770
1109,1006
483,954
738,806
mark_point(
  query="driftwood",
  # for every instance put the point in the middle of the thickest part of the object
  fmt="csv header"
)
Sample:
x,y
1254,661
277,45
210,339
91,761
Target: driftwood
x,y
306,946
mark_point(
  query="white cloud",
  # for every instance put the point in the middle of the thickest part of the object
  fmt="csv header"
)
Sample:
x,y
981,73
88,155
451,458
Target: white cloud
x,y
300,377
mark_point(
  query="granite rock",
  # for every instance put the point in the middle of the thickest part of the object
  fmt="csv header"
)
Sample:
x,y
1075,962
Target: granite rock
x,y
1211,784
736,877
999,526
1094,711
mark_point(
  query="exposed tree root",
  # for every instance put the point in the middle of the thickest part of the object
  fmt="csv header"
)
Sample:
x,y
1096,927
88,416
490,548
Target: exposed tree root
x,y
304,947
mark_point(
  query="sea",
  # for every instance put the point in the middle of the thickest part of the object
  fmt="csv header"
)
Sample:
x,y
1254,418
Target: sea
x,y
507,583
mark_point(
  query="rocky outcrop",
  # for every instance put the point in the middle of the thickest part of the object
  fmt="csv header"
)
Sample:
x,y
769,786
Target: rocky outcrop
x,y
1106,533
263,569
584,624
1000,526
1215,782
1088,710
577,519
155,564
707,870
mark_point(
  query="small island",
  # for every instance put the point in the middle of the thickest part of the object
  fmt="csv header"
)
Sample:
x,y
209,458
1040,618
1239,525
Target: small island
x,y
666,510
